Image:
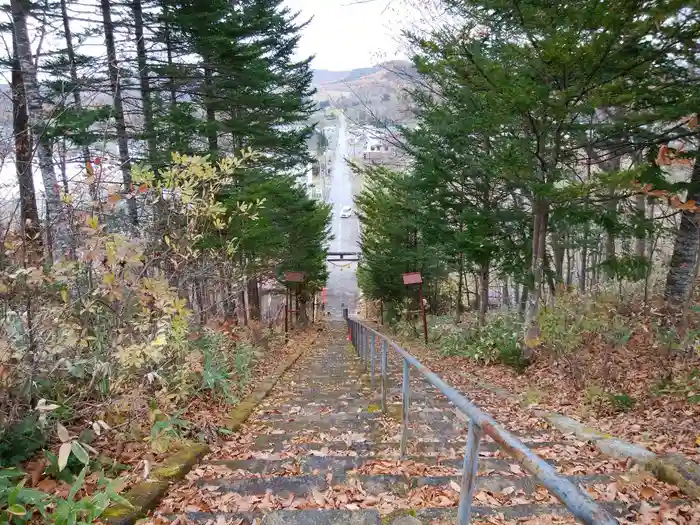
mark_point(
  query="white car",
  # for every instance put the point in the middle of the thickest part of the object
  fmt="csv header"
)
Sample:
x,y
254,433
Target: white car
x,y
346,212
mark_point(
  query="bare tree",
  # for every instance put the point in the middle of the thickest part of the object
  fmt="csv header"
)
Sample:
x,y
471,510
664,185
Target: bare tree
x,y
39,119
122,140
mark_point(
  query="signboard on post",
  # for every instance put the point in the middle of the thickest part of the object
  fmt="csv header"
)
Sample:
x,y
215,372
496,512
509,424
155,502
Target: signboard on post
x,y
294,277
416,278
412,278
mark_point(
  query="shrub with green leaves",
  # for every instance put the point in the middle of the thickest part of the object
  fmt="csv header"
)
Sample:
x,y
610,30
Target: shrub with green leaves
x,y
563,326
497,341
243,363
19,505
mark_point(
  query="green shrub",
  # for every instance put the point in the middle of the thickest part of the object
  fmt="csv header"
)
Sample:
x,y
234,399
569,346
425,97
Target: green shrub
x,y
621,402
20,505
20,441
498,341
563,326
243,364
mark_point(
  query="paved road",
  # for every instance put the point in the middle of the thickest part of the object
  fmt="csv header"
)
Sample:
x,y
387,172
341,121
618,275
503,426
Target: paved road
x,y
342,282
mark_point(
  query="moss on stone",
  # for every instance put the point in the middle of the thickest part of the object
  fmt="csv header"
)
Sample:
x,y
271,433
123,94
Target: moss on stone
x,y
146,495
395,412
143,497
176,466
670,474
245,408
386,520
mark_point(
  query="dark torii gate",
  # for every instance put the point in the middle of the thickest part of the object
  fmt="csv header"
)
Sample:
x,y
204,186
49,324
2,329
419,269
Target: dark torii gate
x,y
343,256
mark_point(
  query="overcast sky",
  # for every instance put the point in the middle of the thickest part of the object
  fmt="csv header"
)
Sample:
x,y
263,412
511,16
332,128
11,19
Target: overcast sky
x,y
346,35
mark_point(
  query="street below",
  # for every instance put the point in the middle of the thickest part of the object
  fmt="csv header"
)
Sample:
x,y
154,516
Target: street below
x,y
342,279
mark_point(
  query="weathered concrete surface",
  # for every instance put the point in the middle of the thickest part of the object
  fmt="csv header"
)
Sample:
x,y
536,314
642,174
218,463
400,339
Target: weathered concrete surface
x,y
316,443
671,468
382,483
294,517
322,517
146,495
243,410
406,520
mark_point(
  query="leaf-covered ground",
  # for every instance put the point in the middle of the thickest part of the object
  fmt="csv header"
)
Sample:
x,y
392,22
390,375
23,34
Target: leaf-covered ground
x,y
128,449
320,442
624,391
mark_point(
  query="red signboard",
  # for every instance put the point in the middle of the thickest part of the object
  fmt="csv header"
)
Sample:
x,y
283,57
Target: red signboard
x,y
412,278
294,277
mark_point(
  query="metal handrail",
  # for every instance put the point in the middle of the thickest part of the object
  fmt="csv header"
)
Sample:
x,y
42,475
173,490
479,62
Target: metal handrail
x,y
365,339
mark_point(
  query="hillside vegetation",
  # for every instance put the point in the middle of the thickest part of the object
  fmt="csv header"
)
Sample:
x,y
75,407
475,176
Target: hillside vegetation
x,y
552,209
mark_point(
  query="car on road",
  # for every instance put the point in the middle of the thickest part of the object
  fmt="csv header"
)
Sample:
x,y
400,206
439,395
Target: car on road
x,y
346,212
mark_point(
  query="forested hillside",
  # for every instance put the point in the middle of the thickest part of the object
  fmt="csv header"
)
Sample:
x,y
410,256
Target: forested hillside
x,y
156,149
552,205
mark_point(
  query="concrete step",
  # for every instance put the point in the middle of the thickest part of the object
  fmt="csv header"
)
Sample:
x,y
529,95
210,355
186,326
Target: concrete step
x,y
303,485
293,517
341,464
362,443
332,419
515,513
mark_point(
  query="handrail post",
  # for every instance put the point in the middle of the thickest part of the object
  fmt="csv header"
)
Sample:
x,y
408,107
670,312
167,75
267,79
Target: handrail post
x,y
373,343
385,348
362,343
354,336
404,418
367,347
577,501
469,470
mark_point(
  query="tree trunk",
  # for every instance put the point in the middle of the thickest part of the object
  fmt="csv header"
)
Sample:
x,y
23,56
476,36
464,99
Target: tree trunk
x,y
29,213
558,250
243,315
144,83
460,282
38,121
522,300
70,51
114,83
254,299
680,279
484,289
212,137
640,210
540,212
584,261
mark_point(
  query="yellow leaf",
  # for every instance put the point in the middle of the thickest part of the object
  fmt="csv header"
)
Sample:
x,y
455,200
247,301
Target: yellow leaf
x,y
697,441
64,295
108,279
532,343
159,341
66,198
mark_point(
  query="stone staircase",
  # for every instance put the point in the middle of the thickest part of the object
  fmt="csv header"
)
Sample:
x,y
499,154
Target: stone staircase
x,y
319,451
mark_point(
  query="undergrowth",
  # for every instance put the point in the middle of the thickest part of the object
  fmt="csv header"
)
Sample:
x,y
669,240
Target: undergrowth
x,y
496,342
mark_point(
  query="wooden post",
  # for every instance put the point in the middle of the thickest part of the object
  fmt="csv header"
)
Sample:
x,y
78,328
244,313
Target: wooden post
x,y
286,315
422,311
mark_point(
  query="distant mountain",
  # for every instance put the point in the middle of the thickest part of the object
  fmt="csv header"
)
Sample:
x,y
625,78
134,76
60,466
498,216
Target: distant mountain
x,y
368,95
326,76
